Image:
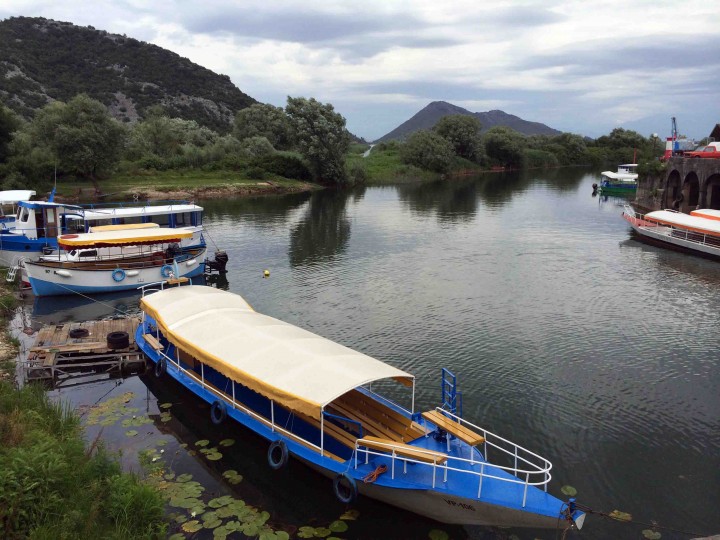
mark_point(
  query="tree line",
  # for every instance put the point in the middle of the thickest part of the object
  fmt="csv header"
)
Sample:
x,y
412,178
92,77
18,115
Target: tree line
x,y
306,140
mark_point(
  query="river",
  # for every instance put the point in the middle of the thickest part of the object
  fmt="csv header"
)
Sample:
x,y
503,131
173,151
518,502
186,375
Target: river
x,y
568,336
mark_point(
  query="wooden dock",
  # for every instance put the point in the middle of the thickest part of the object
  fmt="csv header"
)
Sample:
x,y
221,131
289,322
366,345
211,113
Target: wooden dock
x,y
67,351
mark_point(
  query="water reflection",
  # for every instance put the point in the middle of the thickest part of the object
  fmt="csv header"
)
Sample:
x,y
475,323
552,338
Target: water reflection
x,y
324,230
258,211
453,200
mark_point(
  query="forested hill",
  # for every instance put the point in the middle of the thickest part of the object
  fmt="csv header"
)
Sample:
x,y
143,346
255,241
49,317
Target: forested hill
x,y
43,60
429,116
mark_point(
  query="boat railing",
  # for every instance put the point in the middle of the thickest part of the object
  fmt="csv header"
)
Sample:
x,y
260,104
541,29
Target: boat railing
x,y
466,468
230,400
681,233
134,204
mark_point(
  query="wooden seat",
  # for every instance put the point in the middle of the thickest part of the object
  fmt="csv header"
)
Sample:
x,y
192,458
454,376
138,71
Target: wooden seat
x,y
177,281
379,417
463,433
403,450
153,342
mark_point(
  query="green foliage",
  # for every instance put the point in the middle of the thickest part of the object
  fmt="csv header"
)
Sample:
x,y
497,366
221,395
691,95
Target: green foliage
x,y
81,135
321,138
257,146
283,164
462,132
536,159
9,122
50,487
266,121
358,173
504,146
427,150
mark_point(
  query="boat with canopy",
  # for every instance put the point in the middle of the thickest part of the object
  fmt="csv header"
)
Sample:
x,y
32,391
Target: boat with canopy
x,y
114,258
318,401
622,181
698,232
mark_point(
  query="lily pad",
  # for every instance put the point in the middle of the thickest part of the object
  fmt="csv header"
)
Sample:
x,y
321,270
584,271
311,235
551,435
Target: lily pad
x,y
232,476
162,442
169,476
131,433
177,536
184,477
227,442
437,534
214,456
338,526
212,524
221,532
350,515
568,490
306,532
192,526
250,530
221,501
651,535
620,516
203,442
165,405
322,532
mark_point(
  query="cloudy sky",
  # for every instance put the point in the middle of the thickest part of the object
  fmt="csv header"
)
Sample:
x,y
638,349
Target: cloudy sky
x,y
583,66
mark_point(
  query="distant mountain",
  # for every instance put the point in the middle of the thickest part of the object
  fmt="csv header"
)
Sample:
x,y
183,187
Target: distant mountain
x,y
430,115
44,60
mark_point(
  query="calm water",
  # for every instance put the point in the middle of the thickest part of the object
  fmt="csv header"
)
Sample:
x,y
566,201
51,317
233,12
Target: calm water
x,y
568,336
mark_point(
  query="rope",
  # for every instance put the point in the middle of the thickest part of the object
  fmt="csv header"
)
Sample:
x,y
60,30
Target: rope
x,y
371,477
206,231
126,313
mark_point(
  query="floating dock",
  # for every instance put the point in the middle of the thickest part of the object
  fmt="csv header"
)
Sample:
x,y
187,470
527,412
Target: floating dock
x,y
66,352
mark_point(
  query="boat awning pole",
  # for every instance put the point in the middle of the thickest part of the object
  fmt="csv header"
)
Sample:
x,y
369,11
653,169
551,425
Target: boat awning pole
x,y
322,431
272,414
412,404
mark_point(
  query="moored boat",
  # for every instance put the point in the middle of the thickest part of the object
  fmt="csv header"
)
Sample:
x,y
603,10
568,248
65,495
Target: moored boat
x,y
8,205
118,258
313,400
698,232
622,181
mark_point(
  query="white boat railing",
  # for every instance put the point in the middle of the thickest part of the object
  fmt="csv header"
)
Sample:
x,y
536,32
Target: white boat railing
x,y
681,233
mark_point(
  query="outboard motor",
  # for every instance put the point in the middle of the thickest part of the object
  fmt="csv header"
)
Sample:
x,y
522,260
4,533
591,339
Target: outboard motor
x,y
219,263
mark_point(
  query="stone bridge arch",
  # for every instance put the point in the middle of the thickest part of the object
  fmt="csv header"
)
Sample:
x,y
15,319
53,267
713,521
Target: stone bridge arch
x,y
712,192
672,189
690,193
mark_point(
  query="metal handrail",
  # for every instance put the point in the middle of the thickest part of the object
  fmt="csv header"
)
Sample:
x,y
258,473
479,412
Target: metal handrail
x,y
689,236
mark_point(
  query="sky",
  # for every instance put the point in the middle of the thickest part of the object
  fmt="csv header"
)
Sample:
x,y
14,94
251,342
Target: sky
x,y
585,66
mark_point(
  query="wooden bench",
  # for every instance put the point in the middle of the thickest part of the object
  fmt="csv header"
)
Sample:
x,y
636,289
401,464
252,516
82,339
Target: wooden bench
x,y
455,428
153,342
177,281
383,417
403,450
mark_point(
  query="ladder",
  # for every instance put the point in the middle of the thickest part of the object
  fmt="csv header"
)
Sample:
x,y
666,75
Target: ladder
x,y
12,272
451,398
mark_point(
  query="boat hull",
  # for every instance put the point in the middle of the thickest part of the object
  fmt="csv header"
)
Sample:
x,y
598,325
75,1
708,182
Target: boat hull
x,y
671,238
50,281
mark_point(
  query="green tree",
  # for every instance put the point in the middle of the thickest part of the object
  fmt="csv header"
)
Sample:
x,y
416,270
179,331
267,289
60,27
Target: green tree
x,y
263,120
504,146
83,137
427,150
9,123
257,146
462,132
321,137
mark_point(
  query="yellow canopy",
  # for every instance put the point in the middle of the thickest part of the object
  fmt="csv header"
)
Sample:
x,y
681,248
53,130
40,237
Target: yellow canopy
x,y
114,238
124,227
292,366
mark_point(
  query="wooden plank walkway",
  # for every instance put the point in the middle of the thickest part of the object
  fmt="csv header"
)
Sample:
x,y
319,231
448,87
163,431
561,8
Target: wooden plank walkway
x,y
56,354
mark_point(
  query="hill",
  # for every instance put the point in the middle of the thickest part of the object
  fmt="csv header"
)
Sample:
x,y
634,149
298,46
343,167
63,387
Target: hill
x,y
428,117
44,60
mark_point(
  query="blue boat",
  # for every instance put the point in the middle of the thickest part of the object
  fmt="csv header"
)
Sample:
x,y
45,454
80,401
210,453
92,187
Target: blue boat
x,y
37,224
313,399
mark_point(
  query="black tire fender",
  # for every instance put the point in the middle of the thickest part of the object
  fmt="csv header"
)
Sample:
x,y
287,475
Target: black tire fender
x,y
277,455
345,488
160,367
218,412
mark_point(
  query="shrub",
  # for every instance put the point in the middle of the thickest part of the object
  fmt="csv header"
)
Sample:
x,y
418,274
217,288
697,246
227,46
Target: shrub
x,y
283,164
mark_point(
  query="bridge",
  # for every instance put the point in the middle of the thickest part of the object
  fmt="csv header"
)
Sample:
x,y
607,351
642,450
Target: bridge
x,y
688,183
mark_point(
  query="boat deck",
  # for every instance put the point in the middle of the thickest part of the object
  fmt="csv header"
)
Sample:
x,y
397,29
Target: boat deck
x,y
58,355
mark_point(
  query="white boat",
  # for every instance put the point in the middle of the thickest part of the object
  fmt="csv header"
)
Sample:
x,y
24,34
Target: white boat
x,y
121,258
624,180
698,232
8,205
312,399
38,224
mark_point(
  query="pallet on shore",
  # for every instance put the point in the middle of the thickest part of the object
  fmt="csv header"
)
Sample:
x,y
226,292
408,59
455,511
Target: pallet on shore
x,y
67,351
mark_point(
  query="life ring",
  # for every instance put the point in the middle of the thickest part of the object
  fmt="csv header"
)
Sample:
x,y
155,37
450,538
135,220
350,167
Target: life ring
x,y
166,270
345,488
160,367
218,412
277,455
118,274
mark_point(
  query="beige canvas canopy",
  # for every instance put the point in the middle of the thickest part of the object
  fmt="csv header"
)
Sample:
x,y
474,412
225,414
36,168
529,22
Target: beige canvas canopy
x,y
125,236
292,366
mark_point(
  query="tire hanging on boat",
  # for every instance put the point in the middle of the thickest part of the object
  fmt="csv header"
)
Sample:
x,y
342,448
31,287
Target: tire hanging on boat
x,y
277,455
218,412
345,488
160,367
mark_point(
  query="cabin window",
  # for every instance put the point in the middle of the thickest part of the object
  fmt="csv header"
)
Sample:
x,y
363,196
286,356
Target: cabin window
x,y
183,219
162,219
198,219
23,214
88,253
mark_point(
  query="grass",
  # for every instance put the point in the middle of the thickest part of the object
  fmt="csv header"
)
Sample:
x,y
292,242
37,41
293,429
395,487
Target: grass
x,y
385,167
52,486
143,181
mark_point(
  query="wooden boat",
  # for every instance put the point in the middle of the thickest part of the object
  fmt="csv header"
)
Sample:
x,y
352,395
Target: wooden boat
x,y
120,257
698,232
622,181
313,400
